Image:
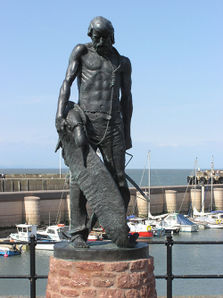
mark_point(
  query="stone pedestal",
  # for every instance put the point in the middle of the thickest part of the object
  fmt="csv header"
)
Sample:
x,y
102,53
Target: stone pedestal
x,y
129,276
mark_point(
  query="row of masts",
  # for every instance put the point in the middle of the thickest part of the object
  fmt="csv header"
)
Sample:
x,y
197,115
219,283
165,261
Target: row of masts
x,y
195,174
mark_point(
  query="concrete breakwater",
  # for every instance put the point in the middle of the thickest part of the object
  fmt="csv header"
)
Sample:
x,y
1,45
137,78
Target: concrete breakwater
x,y
33,182
52,206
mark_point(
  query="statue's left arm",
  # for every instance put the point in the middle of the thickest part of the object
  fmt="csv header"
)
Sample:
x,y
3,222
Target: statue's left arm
x,y
126,100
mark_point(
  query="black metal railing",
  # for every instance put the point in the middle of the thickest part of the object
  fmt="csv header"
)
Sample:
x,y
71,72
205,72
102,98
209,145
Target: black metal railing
x,y
32,276
169,276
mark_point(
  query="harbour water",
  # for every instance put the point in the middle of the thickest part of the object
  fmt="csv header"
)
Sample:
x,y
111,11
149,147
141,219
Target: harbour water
x,y
187,259
192,259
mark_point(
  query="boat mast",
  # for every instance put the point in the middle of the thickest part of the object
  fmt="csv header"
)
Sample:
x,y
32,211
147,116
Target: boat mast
x,y
149,182
202,199
212,172
195,172
60,163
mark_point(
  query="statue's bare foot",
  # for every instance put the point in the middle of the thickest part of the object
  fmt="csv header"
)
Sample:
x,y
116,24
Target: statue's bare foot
x,y
128,241
78,242
133,239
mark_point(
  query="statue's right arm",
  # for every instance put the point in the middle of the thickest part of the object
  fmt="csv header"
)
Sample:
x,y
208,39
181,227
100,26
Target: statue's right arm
x,y
71,74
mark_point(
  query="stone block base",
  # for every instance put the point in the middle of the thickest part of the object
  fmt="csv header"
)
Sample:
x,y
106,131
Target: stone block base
x,y
122,279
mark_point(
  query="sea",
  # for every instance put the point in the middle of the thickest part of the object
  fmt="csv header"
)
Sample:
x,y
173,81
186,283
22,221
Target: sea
x,y
187,259
158,177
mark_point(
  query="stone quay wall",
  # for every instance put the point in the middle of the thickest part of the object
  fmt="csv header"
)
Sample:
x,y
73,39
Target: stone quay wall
x,y
53,205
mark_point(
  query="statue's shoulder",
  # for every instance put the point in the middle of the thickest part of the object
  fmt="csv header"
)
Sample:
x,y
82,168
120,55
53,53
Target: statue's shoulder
x,y
78,51
126,63
125,60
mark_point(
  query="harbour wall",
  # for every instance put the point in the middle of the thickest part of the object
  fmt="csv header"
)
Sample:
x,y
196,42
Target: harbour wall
x,y
32,183
52,206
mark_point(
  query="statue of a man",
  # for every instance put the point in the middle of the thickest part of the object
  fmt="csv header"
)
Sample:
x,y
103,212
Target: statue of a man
x,y
102,75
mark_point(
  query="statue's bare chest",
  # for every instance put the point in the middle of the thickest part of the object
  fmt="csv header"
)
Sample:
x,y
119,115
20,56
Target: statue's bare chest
x,y
94,63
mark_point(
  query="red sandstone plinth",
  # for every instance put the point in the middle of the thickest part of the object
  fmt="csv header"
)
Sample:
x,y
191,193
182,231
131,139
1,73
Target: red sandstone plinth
x,y
122,279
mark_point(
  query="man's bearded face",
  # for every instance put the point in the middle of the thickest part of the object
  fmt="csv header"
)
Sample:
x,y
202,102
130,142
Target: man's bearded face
x,y
102,42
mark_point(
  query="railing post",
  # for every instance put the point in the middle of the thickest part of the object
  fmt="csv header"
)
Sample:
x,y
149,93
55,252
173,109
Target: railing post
x,y
169,244
32,244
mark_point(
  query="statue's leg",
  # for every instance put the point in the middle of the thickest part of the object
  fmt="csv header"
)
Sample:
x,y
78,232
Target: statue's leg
x,y
113,152
78,212
78,231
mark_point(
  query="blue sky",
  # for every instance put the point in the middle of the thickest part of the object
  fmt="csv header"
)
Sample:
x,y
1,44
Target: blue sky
x,y
176,52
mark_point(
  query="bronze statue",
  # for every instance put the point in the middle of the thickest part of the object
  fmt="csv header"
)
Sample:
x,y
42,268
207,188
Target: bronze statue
x,y
100,120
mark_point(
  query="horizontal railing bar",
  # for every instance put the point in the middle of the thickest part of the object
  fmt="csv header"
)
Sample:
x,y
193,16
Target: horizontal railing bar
x,y
24,242
198,242
186,242
156,276
42,276
22,276
199,276
160,276
13,242
190,276
15,276
154,242
149,242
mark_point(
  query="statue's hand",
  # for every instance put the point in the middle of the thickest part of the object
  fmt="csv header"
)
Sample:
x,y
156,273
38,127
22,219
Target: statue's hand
x,y
80,136
60,124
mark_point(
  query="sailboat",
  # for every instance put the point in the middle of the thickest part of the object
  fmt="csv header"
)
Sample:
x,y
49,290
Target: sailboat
x,y
146,227
212,219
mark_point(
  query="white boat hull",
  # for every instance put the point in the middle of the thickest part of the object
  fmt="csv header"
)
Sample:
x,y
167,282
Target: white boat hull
x,y
215,226
41,246
188,228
